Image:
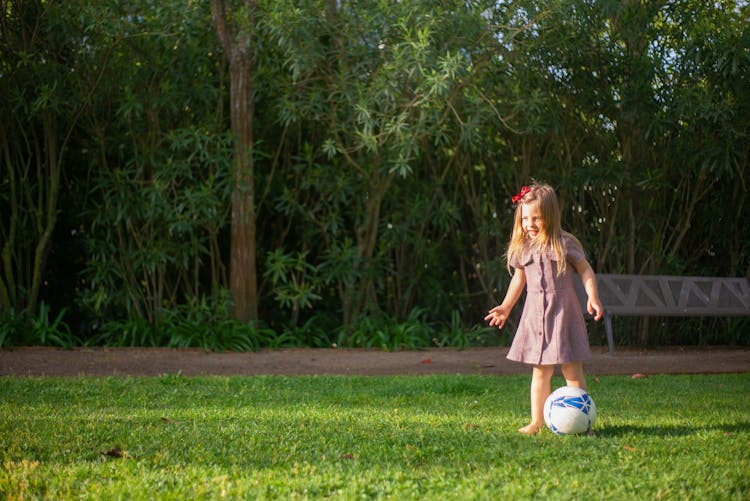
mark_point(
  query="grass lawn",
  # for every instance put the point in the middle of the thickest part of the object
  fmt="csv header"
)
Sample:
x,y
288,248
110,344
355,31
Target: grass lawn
x,y
430,437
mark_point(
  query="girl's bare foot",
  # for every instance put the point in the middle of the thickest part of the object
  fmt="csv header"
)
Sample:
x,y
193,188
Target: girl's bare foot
x,y
530,429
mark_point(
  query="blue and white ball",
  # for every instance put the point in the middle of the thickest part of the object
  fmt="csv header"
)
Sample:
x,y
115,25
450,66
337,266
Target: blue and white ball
x,y
569,411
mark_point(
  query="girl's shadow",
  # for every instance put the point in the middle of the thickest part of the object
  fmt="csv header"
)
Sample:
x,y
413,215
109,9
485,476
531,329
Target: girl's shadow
x,y
668,430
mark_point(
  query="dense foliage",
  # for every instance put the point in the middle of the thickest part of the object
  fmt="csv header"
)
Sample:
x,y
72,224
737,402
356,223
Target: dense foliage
x,y
388,138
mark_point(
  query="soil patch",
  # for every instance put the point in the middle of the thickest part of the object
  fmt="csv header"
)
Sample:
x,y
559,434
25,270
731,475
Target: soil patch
x,y
42,361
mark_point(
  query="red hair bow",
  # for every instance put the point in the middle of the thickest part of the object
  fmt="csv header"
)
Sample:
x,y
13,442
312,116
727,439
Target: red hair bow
x,y
518,196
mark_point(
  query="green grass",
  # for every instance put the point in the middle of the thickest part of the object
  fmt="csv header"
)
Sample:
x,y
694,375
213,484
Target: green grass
x,y
433,437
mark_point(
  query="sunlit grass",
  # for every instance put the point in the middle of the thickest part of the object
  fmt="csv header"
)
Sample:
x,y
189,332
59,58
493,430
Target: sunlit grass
x,y
433,437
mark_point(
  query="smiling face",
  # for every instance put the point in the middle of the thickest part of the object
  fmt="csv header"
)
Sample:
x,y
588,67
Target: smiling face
x,y
531,220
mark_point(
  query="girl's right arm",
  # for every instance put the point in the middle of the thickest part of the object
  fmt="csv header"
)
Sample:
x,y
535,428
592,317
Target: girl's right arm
x,y
499,314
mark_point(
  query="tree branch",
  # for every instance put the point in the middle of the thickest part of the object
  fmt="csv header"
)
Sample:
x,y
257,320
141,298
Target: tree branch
x,y
219,20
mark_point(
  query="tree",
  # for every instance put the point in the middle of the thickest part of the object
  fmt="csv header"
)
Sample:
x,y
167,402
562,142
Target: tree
x,y
385,100
233,26
47,80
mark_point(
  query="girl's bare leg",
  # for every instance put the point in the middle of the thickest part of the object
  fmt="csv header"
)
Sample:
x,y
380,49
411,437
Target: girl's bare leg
x,y
574,376
541,380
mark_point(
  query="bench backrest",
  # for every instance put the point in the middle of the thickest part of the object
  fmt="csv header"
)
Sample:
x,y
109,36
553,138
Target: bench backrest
x,y
664,295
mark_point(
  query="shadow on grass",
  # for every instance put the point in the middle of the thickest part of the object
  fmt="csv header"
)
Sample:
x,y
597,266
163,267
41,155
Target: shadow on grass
x,y
669,430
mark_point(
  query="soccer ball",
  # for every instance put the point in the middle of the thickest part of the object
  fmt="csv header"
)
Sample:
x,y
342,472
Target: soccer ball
x,y
569,410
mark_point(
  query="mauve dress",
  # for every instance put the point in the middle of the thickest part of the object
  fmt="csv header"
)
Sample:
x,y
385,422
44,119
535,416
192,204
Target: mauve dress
x,y
552,329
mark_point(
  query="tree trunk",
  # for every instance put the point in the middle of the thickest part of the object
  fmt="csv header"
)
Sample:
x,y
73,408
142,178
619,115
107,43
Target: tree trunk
x,y
235,41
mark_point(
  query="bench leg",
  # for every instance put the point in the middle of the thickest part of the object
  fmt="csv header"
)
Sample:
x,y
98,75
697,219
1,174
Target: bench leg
x,y
610,337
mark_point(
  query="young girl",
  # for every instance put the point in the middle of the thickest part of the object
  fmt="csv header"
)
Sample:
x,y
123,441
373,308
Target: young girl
x,y
552,330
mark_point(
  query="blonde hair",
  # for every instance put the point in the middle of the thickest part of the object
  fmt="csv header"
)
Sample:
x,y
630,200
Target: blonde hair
x,y
551,237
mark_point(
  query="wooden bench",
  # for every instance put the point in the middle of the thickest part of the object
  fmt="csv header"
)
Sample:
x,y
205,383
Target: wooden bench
x,y
665,296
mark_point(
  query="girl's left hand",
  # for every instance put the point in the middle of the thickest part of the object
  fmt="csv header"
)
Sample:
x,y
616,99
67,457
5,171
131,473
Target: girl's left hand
x,y
594,305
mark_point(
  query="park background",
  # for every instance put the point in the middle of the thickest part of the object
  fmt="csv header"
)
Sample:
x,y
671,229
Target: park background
x,y
236,175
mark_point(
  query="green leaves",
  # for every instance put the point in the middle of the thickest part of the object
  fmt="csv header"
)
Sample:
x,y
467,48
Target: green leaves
x,y
387,139
155,225
294,280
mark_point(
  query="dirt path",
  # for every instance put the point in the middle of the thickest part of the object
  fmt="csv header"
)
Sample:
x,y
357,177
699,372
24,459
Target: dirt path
x,y
35,361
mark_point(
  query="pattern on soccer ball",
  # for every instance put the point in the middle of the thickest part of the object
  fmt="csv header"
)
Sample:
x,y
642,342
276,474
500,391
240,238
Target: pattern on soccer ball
x,y
583,403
